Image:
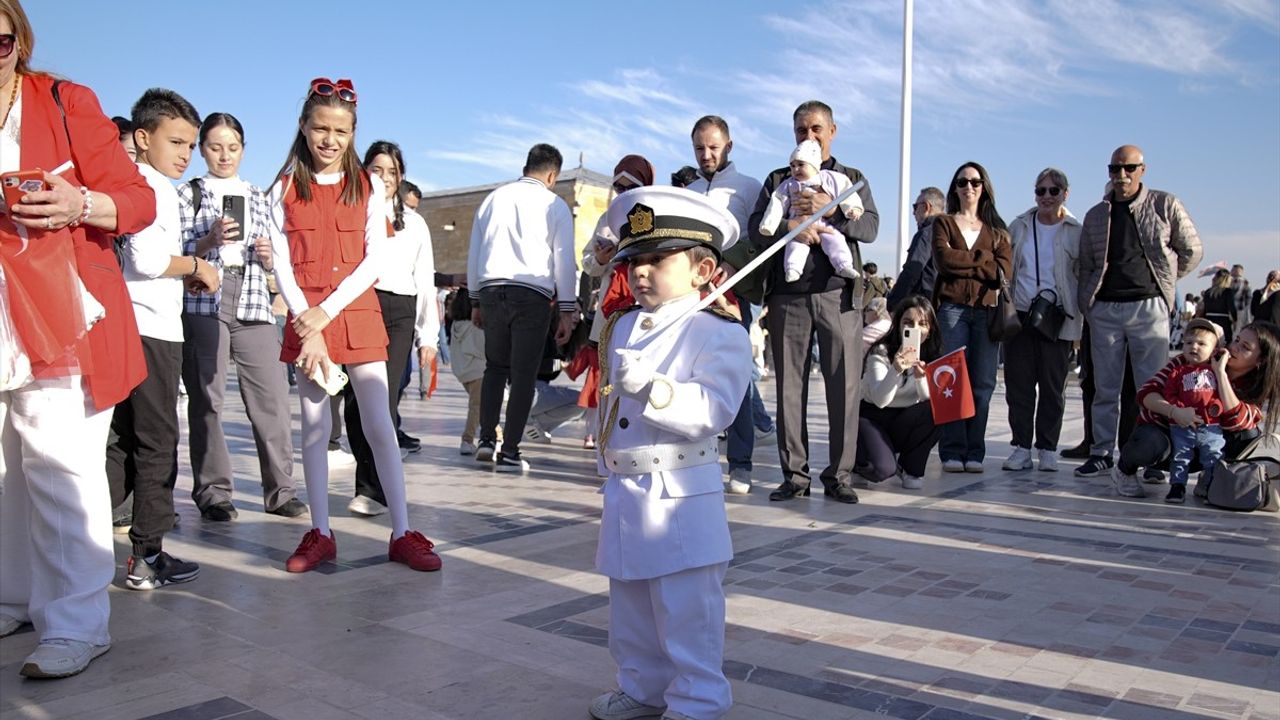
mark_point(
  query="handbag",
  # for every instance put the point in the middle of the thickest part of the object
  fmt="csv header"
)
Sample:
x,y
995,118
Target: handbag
x,y
1045,314
1246,482
1003,323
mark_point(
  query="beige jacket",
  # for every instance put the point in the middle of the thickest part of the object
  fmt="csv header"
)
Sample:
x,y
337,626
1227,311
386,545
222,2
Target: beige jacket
x,y
1169,241
1066,262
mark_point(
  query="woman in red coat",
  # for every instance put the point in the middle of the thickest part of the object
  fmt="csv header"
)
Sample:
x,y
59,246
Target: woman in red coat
x,y
75,326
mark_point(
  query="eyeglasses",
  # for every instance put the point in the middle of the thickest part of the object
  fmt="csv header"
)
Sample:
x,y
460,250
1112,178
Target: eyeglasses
x,y
920,206
971,182
8,42
1130,168
324,87
1054,191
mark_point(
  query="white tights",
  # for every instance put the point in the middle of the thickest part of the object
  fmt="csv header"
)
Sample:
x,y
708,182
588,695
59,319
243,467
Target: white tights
x,y
369,380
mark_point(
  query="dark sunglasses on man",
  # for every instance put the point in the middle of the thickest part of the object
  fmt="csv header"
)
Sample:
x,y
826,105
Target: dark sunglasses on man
x,y
324,87
1053,191
8,42
1130,168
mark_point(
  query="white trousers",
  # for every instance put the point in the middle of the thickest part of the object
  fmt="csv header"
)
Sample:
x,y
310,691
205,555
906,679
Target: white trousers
x,y
56,555
667,637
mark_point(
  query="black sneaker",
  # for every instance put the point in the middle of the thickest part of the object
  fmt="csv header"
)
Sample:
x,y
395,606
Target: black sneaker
x,y
1079,452
1096,465
291,508
220,512
484,451
408,442
1153,477
1177,494
510,463
164,570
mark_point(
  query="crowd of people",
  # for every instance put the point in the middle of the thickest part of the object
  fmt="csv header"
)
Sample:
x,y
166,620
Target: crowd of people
x,y
117,285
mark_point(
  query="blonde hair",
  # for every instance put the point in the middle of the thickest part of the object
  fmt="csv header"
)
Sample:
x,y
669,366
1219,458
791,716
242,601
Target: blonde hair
x,y
24,36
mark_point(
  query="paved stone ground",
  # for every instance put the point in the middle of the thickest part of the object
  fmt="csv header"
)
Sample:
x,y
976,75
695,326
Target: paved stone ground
x,y
1001,595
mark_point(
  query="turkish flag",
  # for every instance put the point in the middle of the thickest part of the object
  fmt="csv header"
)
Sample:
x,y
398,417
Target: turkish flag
x,y
949,393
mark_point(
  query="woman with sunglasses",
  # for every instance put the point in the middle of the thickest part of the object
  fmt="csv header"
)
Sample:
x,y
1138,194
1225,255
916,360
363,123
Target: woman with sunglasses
x,y
1046,256
971,250
406,293
235,322
329,231
68,305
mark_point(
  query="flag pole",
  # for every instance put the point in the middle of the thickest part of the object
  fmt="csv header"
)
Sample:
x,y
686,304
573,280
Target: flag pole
x,y
904,160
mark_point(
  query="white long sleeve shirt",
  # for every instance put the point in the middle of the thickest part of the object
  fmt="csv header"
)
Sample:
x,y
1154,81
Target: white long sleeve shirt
x,y
884,387
409,268
365,274
523,235
732,190
157,300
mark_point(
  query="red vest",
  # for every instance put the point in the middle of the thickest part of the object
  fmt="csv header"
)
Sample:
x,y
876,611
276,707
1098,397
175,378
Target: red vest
x,y
326,241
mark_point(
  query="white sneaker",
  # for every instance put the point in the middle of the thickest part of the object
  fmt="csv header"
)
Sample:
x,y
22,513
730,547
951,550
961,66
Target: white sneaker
x,y
1048,460
533,433
1126,485
1019,459
739,481
618,705
911,482
766,435
367,506
973,466
466,448
9,625
341,458
59,658
953,466
516,464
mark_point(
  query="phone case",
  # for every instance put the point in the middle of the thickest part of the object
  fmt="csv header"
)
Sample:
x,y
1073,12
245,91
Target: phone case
x,y
17,184
337,379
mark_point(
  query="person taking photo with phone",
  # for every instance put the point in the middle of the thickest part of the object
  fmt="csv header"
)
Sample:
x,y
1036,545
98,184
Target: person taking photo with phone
x,y
225,222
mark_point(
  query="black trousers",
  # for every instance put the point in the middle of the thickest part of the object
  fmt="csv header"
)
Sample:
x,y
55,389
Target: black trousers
x,y
1034,363
398,313
143,457
516,323
893,437
1128,395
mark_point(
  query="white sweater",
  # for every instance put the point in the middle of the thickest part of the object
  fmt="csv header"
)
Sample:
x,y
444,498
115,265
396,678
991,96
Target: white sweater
x,y
883,386
409,268
157,300
523,235
732,190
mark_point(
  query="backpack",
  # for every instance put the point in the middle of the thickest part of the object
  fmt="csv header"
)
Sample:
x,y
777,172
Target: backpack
x,y
1247,481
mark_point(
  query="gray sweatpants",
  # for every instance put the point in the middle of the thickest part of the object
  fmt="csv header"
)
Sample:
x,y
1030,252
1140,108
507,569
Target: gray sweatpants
x,y
1139,328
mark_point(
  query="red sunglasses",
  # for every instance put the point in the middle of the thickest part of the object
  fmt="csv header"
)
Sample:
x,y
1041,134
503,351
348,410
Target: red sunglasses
x,y
324,87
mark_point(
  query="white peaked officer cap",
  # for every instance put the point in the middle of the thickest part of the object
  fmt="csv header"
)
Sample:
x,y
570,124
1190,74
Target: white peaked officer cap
x,y
656,219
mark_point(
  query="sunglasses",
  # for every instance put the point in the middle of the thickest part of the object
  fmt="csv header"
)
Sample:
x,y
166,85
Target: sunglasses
x,y
1127,167
971,182
1054,191
8,42
324,87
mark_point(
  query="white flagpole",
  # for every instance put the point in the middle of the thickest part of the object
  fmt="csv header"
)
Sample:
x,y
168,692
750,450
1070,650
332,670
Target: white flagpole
x,y
904,161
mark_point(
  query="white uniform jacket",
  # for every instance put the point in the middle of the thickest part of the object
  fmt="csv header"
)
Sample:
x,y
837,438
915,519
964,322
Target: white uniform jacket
x,y
661,522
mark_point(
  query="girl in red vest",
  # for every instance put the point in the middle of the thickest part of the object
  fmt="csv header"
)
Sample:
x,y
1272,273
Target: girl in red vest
x,y
329,226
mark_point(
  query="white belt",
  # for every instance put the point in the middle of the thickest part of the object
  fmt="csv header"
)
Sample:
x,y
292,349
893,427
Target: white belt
x,y
675,456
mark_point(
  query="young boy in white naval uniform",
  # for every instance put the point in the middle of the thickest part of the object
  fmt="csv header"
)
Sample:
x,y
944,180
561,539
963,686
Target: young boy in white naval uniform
x,y
671,384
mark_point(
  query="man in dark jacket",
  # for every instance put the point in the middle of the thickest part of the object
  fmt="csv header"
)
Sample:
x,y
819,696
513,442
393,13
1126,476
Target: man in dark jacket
x,y
918,272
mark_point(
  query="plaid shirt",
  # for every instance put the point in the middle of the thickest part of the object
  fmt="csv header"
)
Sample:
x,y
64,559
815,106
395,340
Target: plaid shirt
x,y
255,299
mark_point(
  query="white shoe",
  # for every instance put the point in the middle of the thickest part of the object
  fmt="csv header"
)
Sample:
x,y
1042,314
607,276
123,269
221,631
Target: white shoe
x,y
341,458
466,448
953,466
533,433
618,705
911,482
973,466
1019,459
766,435
404,453
59,658
9,625
1048,460
740,481
367,506
505,464
1126,485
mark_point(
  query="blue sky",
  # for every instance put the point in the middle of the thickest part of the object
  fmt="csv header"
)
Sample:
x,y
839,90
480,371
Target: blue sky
x,y
467,88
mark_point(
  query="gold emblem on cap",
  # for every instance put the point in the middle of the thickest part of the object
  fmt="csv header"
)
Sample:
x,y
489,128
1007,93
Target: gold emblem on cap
x,y
640,219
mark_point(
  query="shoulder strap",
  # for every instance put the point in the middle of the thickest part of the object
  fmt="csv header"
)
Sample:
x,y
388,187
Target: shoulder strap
x,y
57,99
197,195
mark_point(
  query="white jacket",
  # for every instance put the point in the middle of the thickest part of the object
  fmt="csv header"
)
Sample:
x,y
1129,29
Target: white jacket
x,y
1066,266
732,190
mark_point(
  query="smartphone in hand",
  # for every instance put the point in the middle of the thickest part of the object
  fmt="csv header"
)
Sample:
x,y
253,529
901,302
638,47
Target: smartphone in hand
x,y
19,183
233,209
911,339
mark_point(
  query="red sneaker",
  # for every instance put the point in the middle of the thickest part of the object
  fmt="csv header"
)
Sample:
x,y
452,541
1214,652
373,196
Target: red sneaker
x,y
313,550
415,550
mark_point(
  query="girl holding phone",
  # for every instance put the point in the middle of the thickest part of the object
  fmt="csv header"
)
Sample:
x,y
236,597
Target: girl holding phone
x,y
895,424
234,321
329,229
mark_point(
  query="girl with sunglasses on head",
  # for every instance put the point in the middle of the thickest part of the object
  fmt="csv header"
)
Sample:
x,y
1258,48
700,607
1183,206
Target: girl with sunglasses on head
x,y
971,250
1046,256
406,294
235,321
329,231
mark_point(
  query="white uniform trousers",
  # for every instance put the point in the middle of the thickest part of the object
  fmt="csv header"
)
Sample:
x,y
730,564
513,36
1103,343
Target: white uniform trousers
x,y
666,635
56,554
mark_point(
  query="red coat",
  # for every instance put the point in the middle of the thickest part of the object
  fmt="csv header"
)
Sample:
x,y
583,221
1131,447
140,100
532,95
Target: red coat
x,y
111,358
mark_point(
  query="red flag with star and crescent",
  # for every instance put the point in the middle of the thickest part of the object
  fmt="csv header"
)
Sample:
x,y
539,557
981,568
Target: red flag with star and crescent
x,y
949,393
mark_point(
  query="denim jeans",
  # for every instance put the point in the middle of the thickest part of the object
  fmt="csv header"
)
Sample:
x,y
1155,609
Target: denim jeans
x,y
965,326
1206,441
741,441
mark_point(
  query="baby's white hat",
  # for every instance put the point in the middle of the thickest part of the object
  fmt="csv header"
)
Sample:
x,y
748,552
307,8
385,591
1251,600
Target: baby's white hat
x,y
809,152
